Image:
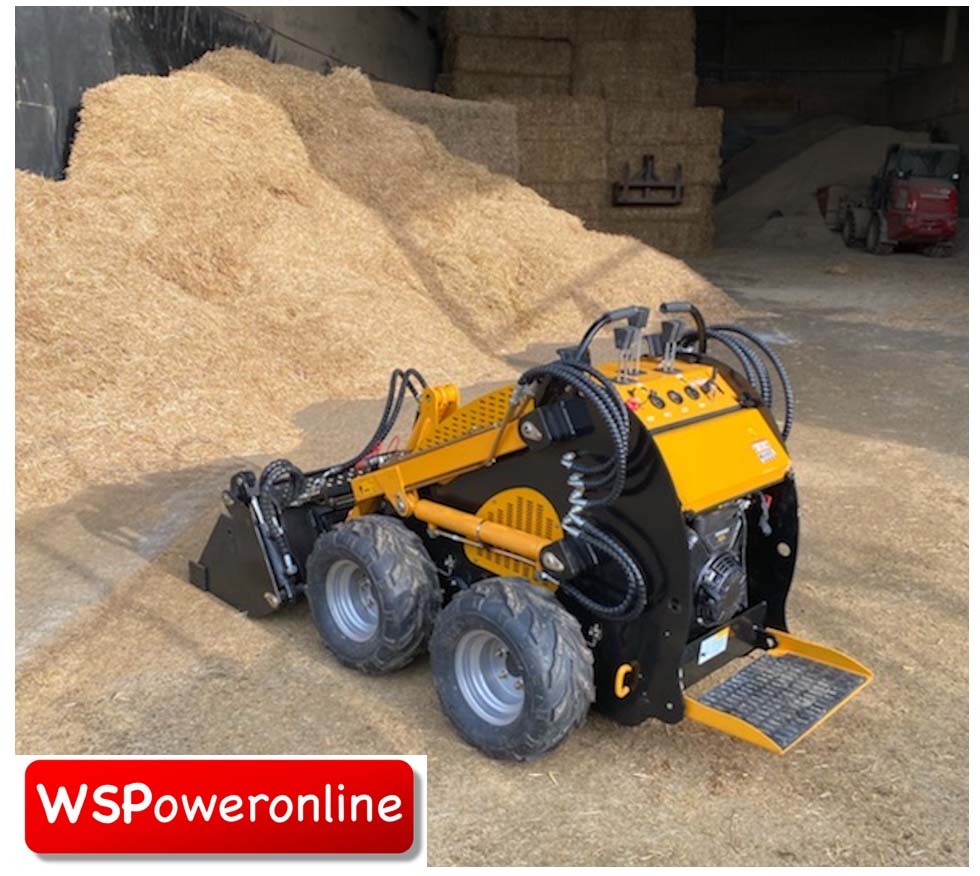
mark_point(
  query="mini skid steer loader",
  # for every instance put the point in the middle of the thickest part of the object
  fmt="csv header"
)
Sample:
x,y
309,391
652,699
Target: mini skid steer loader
x,y
609,533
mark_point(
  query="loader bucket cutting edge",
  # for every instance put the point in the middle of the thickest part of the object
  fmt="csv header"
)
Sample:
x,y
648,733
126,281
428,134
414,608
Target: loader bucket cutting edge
x,y
782,695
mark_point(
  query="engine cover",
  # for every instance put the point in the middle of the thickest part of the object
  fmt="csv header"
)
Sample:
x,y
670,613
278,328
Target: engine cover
x,y
719,584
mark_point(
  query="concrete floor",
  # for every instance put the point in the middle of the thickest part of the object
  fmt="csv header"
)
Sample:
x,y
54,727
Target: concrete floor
x,y
117,654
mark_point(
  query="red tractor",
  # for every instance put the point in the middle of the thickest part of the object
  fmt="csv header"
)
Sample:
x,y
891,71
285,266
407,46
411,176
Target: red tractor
x,y
914,201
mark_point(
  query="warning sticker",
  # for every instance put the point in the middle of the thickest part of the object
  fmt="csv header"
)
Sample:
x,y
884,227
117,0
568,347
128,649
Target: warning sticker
x,y
713,646
763,449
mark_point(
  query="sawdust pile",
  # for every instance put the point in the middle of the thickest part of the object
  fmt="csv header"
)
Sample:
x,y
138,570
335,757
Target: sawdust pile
x,y
769,150
239,240
780,208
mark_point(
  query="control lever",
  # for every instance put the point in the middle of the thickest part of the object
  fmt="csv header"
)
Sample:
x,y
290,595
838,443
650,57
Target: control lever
x,y
687,307
629,343
635,316
671,333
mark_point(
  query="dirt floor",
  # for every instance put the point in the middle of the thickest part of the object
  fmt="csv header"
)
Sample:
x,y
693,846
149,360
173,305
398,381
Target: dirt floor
x,y
117,654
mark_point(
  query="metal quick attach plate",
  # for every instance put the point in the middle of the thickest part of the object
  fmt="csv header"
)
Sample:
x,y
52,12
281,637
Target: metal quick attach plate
x,y
782,696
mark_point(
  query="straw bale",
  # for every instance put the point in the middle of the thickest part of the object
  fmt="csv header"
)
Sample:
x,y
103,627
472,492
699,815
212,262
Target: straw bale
x,y
635,122
690,211
510,55
676,91
477,86
580,160
541,22
241,239
628,58
481,131
668,23
700,163
560,117
581,198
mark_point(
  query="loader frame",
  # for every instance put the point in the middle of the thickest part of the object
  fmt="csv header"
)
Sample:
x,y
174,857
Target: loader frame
x,y
466,469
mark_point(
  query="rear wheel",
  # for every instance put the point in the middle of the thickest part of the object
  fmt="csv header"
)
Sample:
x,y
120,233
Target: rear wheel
x,y
873,242
847,232
511,668
373,593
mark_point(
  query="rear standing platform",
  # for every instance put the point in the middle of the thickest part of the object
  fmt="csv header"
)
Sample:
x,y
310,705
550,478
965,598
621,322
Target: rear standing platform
x,y
778,697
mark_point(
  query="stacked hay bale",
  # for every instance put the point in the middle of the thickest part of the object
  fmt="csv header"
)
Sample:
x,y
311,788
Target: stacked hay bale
x,y
484,132
596,88
506,51
562,148
639,54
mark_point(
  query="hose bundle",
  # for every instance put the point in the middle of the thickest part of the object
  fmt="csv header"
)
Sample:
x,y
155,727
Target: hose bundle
x,y
399,385
282,484
597,480
777,365
743,344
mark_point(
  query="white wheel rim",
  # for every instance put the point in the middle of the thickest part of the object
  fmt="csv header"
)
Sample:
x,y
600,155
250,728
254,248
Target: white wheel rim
x,y
489,678
352,602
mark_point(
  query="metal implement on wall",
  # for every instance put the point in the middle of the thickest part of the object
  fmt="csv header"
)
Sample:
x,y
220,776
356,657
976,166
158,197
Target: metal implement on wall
x,y
646,189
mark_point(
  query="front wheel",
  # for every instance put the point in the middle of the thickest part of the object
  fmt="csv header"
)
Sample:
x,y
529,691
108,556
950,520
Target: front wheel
x,y
873,242
373,593
511,668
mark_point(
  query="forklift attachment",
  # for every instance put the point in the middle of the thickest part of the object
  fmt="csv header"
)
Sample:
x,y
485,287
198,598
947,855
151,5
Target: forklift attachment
x,y
647,189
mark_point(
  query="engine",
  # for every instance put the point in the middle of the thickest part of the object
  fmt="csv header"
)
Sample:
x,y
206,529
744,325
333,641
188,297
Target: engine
x,y
719,583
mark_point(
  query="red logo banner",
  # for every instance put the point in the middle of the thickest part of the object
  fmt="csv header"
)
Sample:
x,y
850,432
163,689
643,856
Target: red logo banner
x,y
234,806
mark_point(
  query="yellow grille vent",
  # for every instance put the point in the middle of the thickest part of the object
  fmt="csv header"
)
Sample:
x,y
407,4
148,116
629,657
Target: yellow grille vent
x,y
487,410
520,508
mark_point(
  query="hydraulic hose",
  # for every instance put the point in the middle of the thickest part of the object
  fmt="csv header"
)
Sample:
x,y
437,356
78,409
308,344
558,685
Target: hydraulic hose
x,y
749,362
762,382
605,474
777,365
754,369
282,484
279,484
596,388
631,605
399,384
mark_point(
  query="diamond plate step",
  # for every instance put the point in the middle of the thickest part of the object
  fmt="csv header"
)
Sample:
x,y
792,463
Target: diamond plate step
x,y
779,696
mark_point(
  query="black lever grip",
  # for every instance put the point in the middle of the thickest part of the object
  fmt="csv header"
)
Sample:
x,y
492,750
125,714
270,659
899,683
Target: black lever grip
x,y
636,316
687,307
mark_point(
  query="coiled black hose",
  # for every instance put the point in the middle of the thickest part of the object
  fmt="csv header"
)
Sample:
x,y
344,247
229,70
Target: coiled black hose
x,y
279,484
763,380
751,365
597,388
777,365
634,599
601,473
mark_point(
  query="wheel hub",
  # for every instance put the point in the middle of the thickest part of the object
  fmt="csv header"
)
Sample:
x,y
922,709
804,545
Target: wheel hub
x,y
352,601
489,677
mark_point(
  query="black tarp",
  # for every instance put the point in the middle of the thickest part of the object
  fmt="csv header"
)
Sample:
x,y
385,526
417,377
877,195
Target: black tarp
x,y
63,50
